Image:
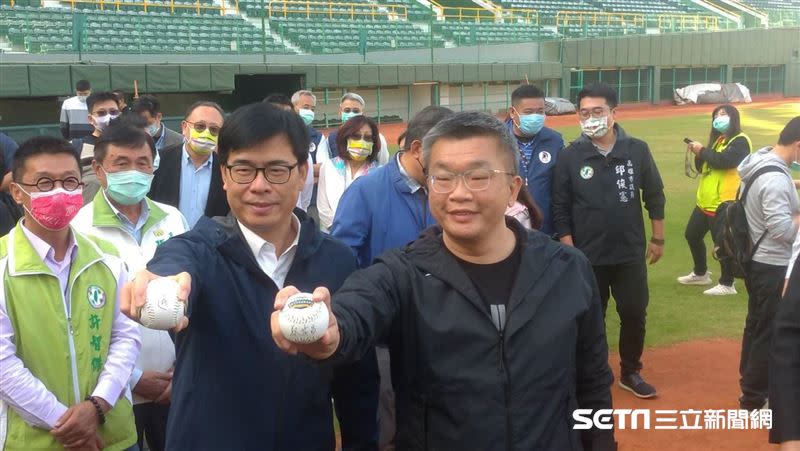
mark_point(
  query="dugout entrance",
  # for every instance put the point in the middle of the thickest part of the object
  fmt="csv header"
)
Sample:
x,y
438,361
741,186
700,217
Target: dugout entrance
x,y
251,88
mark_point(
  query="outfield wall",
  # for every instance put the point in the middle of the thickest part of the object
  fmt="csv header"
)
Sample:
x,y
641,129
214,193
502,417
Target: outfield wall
x,y
644,68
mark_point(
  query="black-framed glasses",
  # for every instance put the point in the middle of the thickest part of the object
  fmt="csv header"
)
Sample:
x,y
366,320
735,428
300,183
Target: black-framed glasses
x,y
103,113
596,112
200,127
277,174
46,184
474,180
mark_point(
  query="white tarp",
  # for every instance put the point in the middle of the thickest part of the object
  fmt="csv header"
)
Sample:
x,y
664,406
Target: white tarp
x,y
712,93
553,106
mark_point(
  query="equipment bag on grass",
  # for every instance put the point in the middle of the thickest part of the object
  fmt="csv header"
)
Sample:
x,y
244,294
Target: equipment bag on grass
x,y
732,231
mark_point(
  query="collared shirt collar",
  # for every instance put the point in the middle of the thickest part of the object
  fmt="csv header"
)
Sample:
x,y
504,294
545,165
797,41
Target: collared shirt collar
x,y
126,223
187,159
257,244
46,252
413,185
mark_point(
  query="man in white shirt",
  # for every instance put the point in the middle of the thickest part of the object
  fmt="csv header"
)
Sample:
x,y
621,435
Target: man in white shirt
x,y
232,387
121,214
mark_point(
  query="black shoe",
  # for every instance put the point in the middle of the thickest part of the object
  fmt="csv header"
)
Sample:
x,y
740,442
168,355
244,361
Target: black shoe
x,y
636,385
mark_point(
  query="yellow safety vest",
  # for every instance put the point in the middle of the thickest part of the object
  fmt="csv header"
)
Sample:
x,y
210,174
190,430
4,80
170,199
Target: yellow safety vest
x,y
718,185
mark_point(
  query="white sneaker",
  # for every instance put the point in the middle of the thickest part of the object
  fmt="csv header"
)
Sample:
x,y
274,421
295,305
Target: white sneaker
x,y
720,290
694,279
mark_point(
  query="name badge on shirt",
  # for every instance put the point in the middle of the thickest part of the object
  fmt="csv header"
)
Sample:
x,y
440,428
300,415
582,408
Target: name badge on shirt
x,y
545,157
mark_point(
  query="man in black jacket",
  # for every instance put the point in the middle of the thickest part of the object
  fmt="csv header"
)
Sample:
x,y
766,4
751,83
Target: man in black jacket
x,y
188,176
233,389
600,180
784,368
495,333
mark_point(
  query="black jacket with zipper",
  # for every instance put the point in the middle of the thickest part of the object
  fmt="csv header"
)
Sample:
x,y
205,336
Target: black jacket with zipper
x,y
598,200
461,381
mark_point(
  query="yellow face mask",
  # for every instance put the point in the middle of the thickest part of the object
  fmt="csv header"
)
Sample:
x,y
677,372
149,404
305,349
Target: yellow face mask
x,y
203,142
359,149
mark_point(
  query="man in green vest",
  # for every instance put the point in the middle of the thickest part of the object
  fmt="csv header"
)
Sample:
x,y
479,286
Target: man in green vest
x,y
66,353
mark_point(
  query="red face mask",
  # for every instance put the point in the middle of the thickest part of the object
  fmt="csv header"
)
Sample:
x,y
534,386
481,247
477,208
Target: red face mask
x,y
55,209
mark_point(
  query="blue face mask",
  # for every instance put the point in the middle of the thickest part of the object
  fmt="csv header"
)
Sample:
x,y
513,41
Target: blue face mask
x,y
346,116
721,124
795,166
531,124
128,187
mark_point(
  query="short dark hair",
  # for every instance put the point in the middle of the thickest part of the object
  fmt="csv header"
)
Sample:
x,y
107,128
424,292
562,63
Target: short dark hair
x,y
146,104
279,99
120,95
526,92
791,133
125,132
207,103
253,124
40,145
351,127
734,128
599,90
100,96
83,85
423,122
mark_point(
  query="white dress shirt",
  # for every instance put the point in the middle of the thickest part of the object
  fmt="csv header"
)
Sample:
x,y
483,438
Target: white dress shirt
x,y
274,266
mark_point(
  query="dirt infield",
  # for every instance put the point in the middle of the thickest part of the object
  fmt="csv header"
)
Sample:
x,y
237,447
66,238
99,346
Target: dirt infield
x,y
699,375
624,112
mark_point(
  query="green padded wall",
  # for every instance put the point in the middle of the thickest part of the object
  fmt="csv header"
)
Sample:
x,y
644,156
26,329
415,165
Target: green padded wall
x,y
49,80
14,81
99,77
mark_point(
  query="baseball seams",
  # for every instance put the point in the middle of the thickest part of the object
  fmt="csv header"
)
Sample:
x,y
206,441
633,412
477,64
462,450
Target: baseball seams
x,y
302,320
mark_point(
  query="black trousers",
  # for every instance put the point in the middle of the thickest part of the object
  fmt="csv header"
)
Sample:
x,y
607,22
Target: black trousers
x,y
628,284
699,224
764,286
151,424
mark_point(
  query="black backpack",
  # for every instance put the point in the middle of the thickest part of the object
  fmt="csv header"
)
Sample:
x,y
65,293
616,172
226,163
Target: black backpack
x,y
733,243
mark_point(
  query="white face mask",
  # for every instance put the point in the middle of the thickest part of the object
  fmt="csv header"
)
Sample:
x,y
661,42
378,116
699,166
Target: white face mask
x,y
595,127
101,123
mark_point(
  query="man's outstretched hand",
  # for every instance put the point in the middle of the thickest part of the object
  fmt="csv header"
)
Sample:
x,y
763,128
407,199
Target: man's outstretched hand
x,y
320,349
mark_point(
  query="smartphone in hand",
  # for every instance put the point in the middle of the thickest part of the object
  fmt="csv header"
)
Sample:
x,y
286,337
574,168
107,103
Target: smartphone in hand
x,y
687,140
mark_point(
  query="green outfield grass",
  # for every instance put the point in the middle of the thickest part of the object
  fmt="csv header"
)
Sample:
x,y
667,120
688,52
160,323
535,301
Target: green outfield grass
x,y
679,313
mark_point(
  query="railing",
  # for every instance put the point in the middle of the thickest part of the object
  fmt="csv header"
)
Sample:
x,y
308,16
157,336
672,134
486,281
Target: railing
x,y
283,8
687,21
145,4
567,18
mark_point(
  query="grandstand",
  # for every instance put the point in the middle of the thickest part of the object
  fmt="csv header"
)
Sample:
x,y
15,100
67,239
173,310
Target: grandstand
x,y
287,27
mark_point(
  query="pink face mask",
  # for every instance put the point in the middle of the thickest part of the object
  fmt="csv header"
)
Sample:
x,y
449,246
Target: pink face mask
x,y
54,209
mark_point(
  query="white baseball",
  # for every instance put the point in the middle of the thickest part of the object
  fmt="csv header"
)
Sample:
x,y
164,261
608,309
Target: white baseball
x,y
302,320
162,309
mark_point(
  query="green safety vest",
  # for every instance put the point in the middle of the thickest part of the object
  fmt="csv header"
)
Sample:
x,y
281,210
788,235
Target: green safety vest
x,y
66,353
718,185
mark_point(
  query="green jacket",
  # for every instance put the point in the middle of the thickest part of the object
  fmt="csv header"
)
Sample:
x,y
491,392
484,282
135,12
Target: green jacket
x,y
66,352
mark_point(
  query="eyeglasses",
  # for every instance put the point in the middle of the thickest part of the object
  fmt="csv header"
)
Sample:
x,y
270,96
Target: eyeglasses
x,y
46,184
474,180
103,113
597,112
200,127
277,173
